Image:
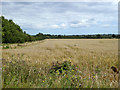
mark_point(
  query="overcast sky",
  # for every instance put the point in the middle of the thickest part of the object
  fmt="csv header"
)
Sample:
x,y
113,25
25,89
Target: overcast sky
x,y
63,18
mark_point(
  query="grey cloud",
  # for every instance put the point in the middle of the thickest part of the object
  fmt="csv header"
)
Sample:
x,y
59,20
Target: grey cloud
x,y
45,15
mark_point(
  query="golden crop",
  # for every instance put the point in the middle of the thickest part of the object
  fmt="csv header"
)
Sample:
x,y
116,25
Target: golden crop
x,y
94,57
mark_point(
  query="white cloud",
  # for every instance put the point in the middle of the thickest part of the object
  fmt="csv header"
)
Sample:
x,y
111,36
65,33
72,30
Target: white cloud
x,y
58,26
50,15
63,25
106,25
109,26
80,24
84,23
55,26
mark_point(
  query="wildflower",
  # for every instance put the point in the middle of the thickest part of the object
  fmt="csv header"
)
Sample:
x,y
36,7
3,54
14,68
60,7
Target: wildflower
x,y
14,62
69,60
65,75
5,66
73,76
57,71
93,76
72,70
43,81
80,85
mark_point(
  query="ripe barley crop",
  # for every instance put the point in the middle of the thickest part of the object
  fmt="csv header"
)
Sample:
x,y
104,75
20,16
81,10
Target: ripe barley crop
x,y
90,64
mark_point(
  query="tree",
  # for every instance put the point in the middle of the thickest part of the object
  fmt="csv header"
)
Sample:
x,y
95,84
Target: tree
x,y
12,33
113,36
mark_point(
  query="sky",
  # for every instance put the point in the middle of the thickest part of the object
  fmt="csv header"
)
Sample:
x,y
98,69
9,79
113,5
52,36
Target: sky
x,y
66,18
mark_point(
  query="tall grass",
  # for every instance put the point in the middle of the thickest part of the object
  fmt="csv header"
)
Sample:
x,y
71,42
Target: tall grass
x,y
66,66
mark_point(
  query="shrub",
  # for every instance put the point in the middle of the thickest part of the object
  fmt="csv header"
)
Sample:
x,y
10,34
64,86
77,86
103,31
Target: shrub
x,y
62,67
6,47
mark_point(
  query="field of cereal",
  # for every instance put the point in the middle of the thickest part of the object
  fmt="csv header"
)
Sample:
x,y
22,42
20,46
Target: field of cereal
x,y
27,65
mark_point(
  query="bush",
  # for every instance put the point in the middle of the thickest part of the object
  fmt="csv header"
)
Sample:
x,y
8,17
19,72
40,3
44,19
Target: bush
x,y
6,47
62,67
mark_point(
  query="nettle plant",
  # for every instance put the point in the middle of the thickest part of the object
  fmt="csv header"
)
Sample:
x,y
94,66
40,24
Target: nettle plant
x,y
66,73
62,68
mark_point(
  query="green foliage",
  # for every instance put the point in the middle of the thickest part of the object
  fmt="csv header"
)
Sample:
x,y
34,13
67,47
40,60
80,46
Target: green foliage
x,y
96,36
12,33
62,67
6,47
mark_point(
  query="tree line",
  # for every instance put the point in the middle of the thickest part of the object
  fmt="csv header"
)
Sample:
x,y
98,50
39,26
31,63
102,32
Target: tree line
x,y
12,33
96,36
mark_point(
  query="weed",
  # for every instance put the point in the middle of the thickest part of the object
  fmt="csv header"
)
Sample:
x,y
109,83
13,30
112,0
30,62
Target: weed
x,y
6,47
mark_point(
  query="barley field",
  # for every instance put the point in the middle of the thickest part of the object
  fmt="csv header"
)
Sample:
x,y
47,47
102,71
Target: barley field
x,y
61,63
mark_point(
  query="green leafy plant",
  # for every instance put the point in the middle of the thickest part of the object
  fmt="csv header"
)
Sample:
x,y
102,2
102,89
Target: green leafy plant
x,y
66,66
6,47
